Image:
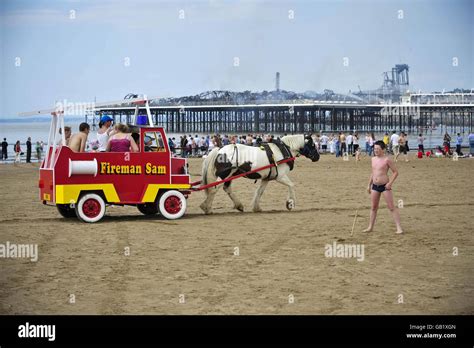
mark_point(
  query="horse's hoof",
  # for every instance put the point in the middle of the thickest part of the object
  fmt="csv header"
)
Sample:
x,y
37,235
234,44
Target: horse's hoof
x,y
257,210
239,207
290,204
205,209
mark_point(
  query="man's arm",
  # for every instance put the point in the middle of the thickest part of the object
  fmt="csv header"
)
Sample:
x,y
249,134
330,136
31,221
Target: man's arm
x,y
370,183
394,175
371,180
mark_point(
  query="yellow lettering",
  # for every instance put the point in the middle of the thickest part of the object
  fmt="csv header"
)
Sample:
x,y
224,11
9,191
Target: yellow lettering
x,y
107,168
103,167
157,170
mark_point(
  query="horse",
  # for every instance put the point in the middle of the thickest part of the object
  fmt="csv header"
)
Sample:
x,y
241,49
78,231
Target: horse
x,y
234,159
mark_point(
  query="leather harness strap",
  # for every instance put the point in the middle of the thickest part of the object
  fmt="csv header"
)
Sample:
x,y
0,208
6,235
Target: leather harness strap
x,y
271,158
285,151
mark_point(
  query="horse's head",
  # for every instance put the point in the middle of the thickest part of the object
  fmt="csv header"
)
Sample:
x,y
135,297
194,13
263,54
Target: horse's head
x,y
309,149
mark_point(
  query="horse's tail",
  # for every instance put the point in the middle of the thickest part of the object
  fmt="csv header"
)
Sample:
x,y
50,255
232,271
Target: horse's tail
x,y
209,167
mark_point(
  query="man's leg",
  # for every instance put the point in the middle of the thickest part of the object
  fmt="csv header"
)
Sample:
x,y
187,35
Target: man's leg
x,y
396,152
394,210
375,199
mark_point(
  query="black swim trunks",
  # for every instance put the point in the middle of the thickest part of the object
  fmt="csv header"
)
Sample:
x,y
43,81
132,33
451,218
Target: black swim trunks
x,y
379,188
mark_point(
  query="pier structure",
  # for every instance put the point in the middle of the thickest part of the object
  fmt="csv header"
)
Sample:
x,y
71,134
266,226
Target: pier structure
x,y
415,113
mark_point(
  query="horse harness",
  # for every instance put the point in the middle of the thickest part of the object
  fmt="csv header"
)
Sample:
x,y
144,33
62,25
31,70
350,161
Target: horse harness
x,y
285,151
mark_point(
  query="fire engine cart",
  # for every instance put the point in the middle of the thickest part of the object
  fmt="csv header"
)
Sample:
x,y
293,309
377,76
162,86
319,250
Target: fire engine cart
x,y
83,184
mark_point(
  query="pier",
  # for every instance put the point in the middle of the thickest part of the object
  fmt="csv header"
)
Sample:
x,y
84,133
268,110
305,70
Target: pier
x,y
417,113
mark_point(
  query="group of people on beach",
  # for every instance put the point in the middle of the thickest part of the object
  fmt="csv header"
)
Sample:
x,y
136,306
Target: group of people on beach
x,y
18,150
338,144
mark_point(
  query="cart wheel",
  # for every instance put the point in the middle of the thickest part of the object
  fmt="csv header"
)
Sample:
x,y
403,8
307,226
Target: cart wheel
x,y
148,208
66,211
90,207
172,204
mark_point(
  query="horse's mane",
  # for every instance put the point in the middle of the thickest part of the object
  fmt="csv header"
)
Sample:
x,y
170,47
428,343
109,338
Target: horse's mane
x,y
295,142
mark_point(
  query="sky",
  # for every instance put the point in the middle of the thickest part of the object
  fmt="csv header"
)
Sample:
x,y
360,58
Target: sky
x,y
78,50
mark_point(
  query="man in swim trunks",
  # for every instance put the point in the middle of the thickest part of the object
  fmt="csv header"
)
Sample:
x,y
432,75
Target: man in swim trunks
x,y
403,148
380,183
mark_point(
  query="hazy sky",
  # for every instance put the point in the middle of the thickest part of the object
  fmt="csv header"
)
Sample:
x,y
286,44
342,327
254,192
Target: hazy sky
x,y
81,49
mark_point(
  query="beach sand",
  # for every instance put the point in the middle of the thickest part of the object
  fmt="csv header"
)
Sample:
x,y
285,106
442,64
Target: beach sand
x,y
281,253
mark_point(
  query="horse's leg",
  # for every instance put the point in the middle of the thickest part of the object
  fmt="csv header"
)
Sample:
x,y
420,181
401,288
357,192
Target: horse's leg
x,y
285,180
228,189
206,206
258,194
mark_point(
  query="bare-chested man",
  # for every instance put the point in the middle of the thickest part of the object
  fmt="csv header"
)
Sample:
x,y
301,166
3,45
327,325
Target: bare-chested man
x,y
79,140
380,183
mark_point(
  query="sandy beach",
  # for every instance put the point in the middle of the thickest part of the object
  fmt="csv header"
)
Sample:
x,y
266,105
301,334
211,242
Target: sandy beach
x,y
190,266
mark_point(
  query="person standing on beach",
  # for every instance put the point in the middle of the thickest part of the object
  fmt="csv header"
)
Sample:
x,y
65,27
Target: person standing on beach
x,y
324,143
458,144
403,147
386,141
342,139
17,152
78,141
380,183
338,145
367,145
447,140
39,149
350,143
372,143
394,142
4,149
421,147
28,150
355,140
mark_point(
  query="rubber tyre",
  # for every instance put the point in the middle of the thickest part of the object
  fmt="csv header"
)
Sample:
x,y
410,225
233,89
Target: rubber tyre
x,y
148,208
172,205
90,208
66,211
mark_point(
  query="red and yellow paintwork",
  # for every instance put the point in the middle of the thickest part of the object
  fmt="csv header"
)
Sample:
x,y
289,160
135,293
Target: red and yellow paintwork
x,y
148,173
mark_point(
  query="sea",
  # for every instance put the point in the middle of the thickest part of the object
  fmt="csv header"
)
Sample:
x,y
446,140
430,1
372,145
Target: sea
x,y
38,129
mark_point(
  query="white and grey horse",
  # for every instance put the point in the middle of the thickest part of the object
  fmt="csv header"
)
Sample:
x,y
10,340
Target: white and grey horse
x,y
234,159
